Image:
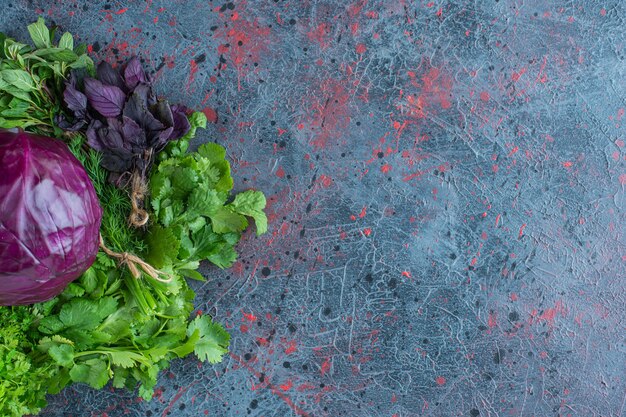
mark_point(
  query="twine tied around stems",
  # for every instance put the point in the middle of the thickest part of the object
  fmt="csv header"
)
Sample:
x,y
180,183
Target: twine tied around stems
x,y
134,263
138,215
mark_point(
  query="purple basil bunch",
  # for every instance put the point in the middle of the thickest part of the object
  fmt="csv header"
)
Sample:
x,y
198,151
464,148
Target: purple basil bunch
x,y
125,121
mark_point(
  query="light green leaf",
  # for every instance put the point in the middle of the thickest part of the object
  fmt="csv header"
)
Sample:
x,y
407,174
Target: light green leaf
x,y
226,181
212,151
192,273
204,201
86,314
188,347
73,290
89,279
119,378
19,78
179,147
160,187
198,119
17,92
66,41
204,244
117,324
17,108
125,359
62,354
14,113
142,333
251,203
213,342
83,61
225,220
51,325
197,224
11,123
184,180
39,33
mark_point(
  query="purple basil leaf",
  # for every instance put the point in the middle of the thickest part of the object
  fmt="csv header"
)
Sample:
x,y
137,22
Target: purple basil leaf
x,y
134,73
134,135
107,100
136,109
162,111
110,138
181,126
74,99
159,140
93,139
180,108
144,91
114,123
64,124
117,160
108,75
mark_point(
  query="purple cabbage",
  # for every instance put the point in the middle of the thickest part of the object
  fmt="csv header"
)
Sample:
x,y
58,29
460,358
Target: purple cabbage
x,y
49,218
124,119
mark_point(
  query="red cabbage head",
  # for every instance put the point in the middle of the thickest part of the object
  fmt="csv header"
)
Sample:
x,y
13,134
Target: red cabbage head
x,y
49,218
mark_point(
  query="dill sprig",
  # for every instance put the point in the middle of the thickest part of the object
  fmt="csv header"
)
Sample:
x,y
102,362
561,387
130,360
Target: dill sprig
x,y
115,202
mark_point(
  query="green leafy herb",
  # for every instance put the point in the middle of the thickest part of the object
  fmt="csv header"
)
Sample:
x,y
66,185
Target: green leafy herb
x,y
23,377
108,326
195,221
32,79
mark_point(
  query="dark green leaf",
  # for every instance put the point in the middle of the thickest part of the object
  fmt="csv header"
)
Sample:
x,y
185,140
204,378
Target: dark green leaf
x,y
162,246
57,54
80,49
93,372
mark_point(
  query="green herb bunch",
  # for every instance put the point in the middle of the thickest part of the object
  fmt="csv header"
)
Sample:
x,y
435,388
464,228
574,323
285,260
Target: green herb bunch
x,y
194,222
32,78
109,326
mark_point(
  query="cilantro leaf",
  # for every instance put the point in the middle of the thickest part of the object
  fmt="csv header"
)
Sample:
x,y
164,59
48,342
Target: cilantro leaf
x,y
162,246
224,256
212,151
94,372
225,220
125,359
251,203
62,354
204,201
213,341
85,314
